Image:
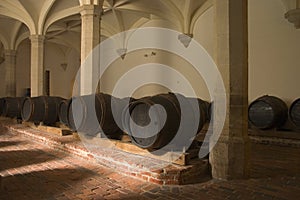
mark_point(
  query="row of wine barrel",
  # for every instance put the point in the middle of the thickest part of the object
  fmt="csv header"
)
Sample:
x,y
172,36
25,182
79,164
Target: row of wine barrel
x,y
269,112
114,114
154,126
35,109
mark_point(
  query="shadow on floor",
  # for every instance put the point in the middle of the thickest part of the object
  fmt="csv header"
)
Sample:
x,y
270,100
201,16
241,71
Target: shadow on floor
x,y
10,143
16,159
42,184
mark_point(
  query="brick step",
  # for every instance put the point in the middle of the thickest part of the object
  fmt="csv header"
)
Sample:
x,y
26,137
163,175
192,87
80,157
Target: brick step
x,y
138,166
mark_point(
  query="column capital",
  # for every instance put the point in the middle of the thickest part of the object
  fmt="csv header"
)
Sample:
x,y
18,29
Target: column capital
x,y
37,38
88,10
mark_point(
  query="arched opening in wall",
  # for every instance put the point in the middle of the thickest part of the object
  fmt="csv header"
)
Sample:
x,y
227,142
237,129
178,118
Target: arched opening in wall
x,y
47,82
62,50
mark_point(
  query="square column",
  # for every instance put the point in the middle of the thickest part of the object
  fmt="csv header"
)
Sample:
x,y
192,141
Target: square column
x,y
10,72
90,38
37,65
229,158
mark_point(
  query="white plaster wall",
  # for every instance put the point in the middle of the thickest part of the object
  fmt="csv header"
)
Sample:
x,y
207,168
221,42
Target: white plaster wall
x,y
121,67
61,81
274,49
23,67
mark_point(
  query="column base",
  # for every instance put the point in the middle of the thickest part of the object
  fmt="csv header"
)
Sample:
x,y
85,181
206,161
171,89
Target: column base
x,y
229,158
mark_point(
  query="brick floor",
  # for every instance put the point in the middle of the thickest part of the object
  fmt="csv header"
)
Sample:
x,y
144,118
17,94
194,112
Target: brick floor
x,y
32,171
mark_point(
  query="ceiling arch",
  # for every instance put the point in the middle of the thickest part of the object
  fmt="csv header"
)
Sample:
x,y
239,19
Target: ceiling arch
x,y
43,15
199,12
60,15
15,10
52,18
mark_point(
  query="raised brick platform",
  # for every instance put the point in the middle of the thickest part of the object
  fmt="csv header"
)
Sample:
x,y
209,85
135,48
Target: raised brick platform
x,y
148,169
275,137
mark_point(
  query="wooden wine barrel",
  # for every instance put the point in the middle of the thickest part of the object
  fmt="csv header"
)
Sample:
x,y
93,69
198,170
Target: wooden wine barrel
x,y
63,111
117,106
12,107
268,112
92,114
1,105
294,113
41,109
204,109
165,124
70,119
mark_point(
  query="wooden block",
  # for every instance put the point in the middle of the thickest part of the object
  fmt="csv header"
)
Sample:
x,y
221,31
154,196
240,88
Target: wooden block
x,y
29,124
55,130
76,135
60,125
125,138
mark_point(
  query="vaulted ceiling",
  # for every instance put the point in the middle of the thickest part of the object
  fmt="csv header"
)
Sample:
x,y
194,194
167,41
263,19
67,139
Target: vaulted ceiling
x,y
59,20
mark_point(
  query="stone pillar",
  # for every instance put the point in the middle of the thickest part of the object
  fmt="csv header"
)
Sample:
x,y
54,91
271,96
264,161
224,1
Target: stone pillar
x,y
37,65
229,158
10,72
90,38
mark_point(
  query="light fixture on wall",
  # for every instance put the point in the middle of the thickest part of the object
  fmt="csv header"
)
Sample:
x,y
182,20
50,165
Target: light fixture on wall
x,y
185,39
293,16
292,11
64,66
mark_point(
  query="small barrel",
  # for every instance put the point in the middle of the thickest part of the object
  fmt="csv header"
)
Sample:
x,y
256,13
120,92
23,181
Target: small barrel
x,y
268,112
165,125
41,109
63,111
92,114
294,113
12,107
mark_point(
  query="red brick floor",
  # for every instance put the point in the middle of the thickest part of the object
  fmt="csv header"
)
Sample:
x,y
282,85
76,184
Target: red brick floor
x,y
32,171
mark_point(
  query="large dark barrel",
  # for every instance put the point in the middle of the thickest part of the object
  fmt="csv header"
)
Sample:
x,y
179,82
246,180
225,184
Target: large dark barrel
x,y
41,109
294,113
1,105
92,114
268,112
63,111
12,107
165,124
